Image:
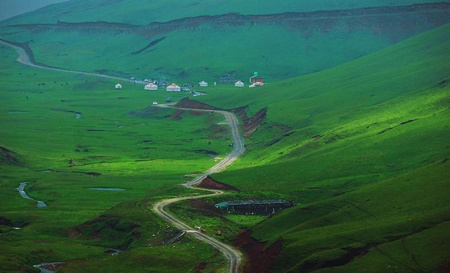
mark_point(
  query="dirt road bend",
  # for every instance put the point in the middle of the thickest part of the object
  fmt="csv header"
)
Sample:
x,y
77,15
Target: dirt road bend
x,y
233,256
26,59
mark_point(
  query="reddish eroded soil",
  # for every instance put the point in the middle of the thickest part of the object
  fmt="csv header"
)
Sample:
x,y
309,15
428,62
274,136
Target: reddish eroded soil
x,y
210,183
192,104
250,123
260,258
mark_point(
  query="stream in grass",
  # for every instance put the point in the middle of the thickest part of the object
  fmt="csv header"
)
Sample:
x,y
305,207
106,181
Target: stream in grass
x,y
48,267
21,190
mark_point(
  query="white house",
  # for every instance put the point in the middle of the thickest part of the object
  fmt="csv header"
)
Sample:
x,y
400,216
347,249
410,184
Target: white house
x,y
151,86
203,84
239,84
118,86
173,88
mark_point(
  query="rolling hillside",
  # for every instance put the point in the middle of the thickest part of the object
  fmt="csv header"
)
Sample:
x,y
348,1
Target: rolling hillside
x,y
362,149
280,42
352,126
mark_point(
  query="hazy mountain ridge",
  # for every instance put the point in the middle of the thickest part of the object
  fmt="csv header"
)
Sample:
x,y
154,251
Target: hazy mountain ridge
x,y
204,47
144,12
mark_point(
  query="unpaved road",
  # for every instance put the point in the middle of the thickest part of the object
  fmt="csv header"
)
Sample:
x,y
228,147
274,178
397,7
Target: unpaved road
x,y
25,59
233,256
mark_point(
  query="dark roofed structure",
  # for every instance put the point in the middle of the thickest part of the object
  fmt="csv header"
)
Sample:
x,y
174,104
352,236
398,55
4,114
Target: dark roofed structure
x,y
256,78
264,207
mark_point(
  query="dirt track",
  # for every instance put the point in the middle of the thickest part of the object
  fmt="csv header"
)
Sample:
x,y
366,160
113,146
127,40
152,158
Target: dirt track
x,y
234,257
26,59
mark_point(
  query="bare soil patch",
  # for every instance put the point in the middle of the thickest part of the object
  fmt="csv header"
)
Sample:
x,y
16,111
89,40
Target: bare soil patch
x,y
210,183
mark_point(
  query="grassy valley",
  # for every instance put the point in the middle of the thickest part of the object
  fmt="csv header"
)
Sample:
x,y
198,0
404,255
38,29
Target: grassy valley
x,y
352,126
118,141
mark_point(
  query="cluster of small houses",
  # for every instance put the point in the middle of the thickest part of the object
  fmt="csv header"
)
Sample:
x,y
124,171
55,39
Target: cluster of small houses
x,y
254,80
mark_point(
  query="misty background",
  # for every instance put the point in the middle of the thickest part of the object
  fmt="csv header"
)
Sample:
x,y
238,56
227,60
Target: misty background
x,y
11,8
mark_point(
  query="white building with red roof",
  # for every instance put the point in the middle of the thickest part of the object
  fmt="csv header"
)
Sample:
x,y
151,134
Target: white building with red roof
x,y
151,86
173,88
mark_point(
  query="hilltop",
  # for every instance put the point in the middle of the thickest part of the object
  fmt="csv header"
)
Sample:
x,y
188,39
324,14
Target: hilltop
x,y
143,12
205,43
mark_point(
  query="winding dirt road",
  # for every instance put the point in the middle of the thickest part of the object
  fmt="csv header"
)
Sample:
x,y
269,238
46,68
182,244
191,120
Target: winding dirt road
x,y
233,256
26,59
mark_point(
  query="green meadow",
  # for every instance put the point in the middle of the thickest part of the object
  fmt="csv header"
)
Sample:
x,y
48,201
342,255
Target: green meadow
x,y
362,148
356,134
144,150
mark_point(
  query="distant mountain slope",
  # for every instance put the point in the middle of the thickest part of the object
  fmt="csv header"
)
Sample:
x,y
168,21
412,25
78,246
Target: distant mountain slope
x,y
143,12
191,49
10,8
365,156
367,99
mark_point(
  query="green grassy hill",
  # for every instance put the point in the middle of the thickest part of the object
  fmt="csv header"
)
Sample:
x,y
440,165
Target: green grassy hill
x,y
362,148
117,141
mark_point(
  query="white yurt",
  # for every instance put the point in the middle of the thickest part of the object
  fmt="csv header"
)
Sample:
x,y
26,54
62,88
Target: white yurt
x,y
151,86
239,84
173,88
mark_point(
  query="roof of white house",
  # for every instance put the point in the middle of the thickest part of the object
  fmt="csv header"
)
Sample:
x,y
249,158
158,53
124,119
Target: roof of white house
x,y
239,82
203,82
173,85
151,85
